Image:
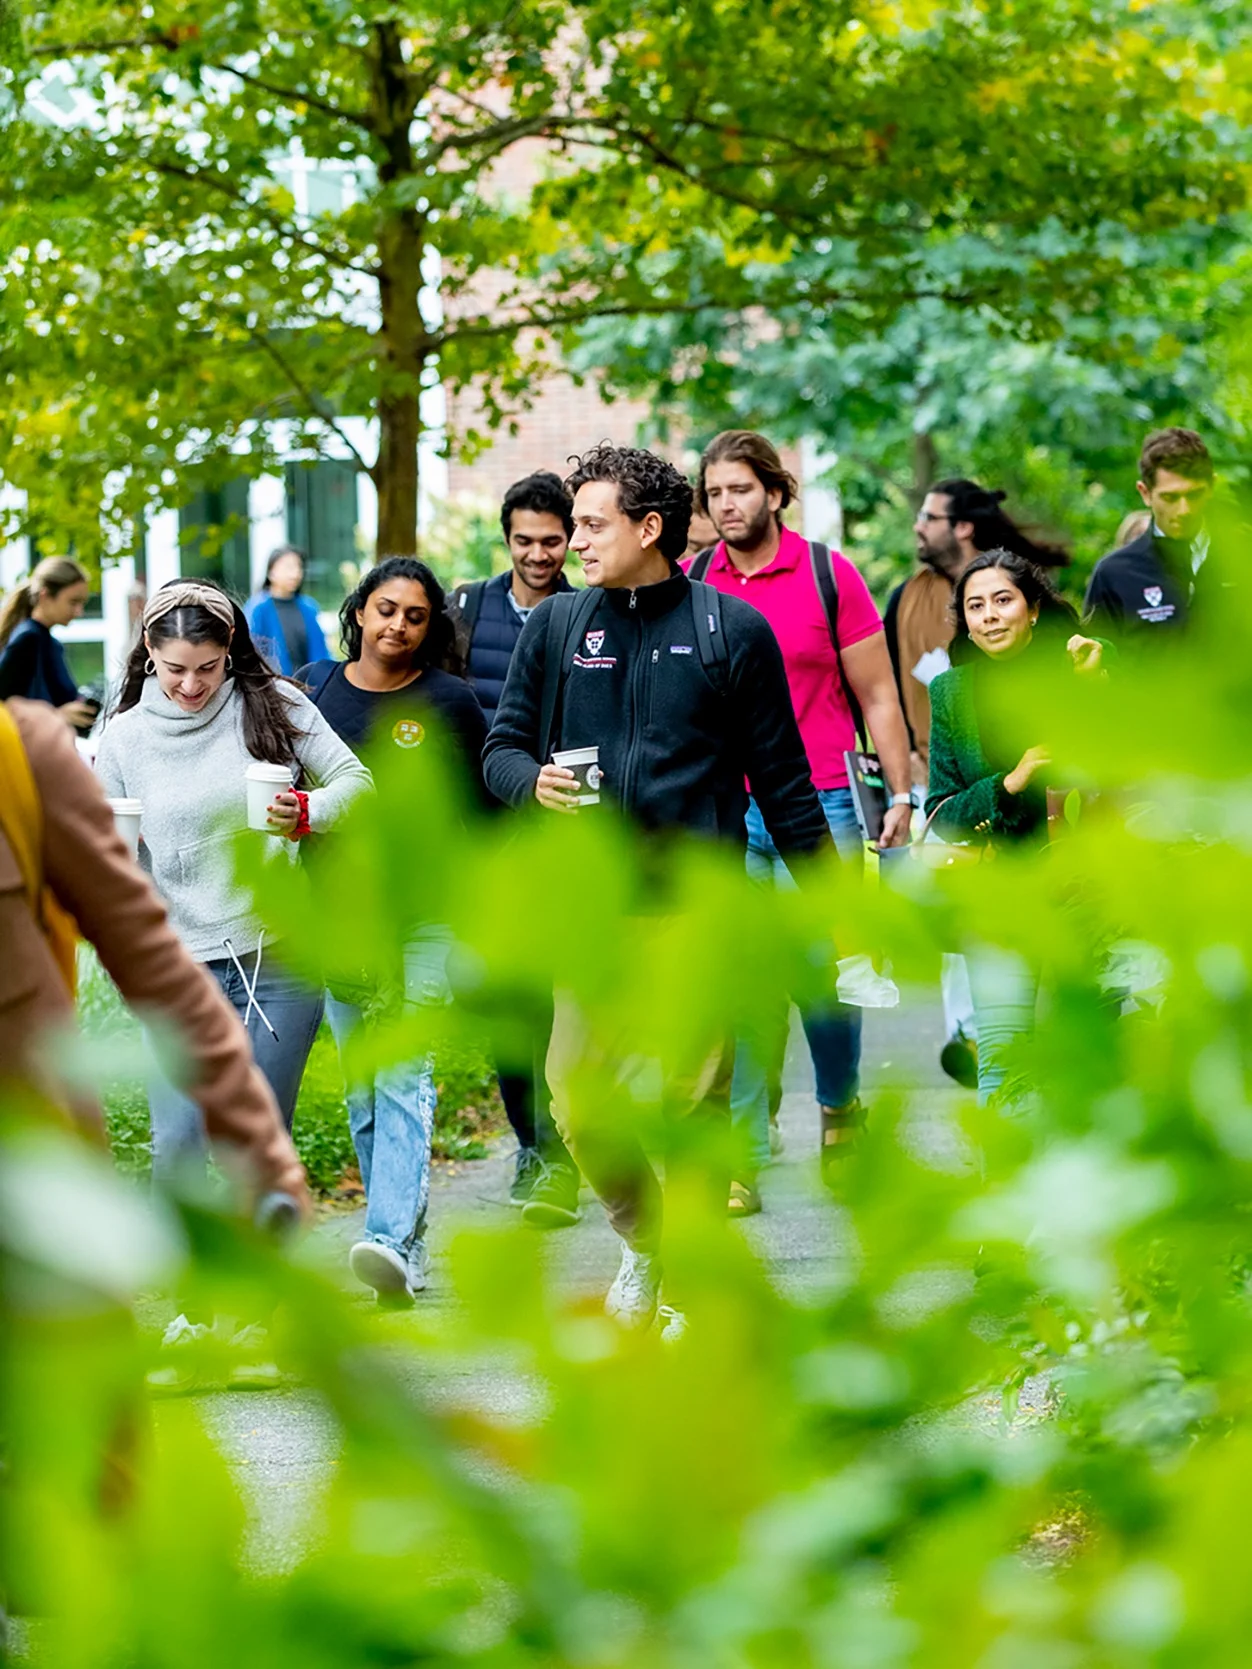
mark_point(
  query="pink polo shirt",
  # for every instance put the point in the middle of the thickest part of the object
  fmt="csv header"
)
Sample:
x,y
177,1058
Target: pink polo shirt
x,y
786,594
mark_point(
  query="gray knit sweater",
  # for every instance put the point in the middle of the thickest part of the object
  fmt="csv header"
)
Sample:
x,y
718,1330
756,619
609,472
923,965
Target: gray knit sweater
x,y
188,770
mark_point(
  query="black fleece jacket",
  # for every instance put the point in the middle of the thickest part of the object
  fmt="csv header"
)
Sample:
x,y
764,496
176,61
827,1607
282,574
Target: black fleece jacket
x,y
676,743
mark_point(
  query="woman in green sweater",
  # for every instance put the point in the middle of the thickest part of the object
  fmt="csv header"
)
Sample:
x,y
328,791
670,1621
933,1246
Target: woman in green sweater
x,y
1012,631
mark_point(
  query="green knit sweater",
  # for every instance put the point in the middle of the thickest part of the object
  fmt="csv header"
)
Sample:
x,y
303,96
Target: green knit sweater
x,y
971,794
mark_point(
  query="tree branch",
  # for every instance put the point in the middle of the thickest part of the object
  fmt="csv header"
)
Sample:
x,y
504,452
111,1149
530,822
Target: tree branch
x,y
201,177
173,41
295,95
477,329
316,404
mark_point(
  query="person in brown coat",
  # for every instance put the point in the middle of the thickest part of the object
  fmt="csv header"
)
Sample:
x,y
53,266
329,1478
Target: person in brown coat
x,y
91,874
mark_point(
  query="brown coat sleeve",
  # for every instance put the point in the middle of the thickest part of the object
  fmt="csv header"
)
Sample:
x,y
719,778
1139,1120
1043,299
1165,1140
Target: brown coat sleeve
x,y
88,867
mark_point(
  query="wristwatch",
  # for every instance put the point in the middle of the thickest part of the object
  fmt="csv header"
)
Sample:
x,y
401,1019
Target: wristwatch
x,y
902,799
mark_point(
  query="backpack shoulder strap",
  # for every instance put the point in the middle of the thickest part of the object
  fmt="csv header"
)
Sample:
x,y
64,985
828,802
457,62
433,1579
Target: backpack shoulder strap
x,y
700,563
324,672
21,819
469,599
828,590
706,607
567,619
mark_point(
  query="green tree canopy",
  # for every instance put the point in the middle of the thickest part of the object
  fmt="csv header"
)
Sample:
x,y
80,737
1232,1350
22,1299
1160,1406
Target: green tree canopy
x,y
510,174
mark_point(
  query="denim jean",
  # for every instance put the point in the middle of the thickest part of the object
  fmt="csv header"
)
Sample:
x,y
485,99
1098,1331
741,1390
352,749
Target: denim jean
x,y
833,1031
294,1009
392,1115
1004,991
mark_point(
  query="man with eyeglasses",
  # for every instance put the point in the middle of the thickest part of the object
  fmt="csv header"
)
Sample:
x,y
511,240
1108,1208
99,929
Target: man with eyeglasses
x,y
957,520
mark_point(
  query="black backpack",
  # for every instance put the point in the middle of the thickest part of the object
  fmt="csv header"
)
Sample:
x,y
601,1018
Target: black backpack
x,y
568,619
828,590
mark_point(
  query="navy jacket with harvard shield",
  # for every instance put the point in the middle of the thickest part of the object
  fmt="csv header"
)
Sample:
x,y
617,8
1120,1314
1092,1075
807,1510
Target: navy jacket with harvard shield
x,y
676,742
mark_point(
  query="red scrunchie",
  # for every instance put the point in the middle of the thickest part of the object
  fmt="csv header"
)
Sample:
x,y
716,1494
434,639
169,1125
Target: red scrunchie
x,y
302,822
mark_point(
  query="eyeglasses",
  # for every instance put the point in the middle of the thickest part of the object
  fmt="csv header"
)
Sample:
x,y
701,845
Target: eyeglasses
x,y
930,516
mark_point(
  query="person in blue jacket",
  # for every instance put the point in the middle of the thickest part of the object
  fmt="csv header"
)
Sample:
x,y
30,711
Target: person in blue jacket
x,y
282,619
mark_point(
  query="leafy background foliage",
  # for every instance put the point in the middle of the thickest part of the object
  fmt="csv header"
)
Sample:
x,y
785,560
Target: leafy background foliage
x,y
815,1479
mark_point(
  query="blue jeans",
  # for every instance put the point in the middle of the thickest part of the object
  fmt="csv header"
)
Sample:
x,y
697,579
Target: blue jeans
x,y
293,1009
1004,990
392,1114
833,1031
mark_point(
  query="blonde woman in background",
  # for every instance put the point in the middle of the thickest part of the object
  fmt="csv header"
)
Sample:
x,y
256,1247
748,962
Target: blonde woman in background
x,y
32,662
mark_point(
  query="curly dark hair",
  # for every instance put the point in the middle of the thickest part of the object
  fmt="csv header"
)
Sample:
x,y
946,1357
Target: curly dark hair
x,y
543,493
645,483
438,647
1030,579
270,732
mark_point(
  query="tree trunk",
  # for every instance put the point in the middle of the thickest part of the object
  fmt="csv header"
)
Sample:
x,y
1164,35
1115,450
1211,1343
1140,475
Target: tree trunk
x,y
403,342
925,467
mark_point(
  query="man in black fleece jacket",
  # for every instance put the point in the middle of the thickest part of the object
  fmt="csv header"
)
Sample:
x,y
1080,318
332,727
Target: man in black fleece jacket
x,y
677,738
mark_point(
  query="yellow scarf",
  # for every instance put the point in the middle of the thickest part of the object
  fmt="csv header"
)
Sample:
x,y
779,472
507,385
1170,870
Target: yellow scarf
x,y
21,820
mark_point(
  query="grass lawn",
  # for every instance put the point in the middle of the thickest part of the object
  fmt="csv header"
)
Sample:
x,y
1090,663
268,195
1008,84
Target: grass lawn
x,y
469,1103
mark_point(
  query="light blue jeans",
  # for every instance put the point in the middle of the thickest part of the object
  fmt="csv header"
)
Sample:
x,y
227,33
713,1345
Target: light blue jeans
x,y
179,1145
1004,991
833,1031
392,1115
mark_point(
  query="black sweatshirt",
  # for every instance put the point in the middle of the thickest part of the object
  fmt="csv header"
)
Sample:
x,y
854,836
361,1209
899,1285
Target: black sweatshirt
x,y
675,742
359,716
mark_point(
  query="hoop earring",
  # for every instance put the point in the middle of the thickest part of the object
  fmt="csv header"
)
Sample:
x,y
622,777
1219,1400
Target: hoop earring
x,y
230,665
149,667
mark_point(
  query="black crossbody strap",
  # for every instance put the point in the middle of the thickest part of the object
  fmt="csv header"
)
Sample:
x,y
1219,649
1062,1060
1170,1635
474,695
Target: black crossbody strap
x,y
828,591
706,608
700,563
567,619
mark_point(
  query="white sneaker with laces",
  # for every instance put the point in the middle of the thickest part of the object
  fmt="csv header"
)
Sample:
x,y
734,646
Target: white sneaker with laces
x,y
672,1322
632,1298
418,1266
378,1266
182,1331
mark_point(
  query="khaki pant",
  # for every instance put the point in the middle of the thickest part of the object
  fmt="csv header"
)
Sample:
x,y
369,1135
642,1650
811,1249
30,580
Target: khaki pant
x,y
589,1072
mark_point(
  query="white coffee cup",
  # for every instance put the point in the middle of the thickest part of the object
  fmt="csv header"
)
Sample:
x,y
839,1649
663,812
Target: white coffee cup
x,y
585,764
264,782
126,814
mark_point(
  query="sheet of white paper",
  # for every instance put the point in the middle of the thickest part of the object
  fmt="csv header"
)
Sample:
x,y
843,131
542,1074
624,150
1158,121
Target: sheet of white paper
x,y
931,664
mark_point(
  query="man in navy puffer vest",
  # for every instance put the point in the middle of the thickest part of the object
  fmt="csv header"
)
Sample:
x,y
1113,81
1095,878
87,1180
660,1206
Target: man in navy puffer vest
x,y
488,615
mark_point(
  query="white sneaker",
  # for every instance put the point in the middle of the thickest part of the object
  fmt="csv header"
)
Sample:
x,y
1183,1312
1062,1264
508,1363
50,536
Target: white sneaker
x,y
182,1331
377,1266
632,1298
418,1266
672,1322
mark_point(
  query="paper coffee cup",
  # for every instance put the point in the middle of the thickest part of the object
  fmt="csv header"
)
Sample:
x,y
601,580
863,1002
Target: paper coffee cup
x,y
585,764
126,814
264,782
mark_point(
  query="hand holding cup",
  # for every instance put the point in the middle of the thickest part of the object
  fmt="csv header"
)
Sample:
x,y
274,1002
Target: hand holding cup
x,y
557,789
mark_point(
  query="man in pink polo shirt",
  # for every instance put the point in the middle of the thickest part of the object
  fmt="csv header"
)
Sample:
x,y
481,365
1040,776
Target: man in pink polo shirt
x,y
744,489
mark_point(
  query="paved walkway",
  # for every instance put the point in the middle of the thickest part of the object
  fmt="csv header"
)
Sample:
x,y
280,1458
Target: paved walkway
x,y
281,1444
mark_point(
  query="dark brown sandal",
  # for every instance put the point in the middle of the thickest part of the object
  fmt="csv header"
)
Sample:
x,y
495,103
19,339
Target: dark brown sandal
x,y
841,1127
744,1200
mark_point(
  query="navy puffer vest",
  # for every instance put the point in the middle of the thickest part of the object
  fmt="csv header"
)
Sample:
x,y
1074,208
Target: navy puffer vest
x,y
496,632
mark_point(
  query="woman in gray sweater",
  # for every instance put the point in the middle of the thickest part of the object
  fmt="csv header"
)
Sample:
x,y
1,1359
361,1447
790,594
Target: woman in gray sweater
x,y
197,707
